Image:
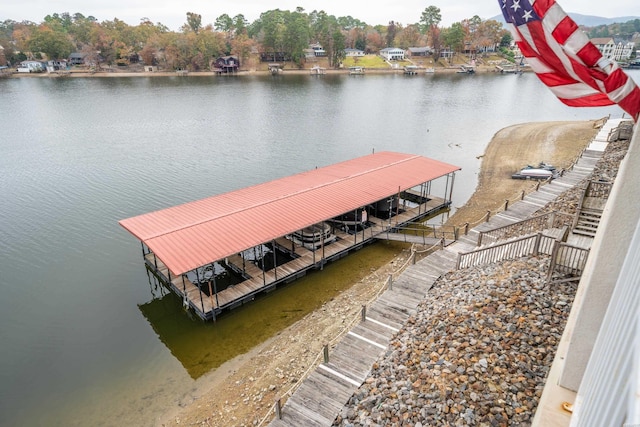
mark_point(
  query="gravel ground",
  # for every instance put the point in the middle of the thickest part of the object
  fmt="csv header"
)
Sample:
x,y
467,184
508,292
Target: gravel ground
x,y
476,353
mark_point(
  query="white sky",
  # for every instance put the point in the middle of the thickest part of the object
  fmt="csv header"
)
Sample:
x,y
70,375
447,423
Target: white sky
x,y
173,13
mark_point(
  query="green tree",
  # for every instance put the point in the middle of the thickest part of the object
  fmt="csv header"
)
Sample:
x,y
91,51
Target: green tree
x,y
194,22
320,27
57,22
56,45
430,18
273,30
80,29
506,39
454,37
392,30
296,35
240,25
429,21
223,23
337,48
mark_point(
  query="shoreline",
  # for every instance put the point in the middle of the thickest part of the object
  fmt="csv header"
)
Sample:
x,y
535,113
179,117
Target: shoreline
x,y
271,368
253,72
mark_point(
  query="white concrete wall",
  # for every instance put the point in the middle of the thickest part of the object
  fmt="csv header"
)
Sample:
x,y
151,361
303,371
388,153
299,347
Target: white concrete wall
x,y
608,252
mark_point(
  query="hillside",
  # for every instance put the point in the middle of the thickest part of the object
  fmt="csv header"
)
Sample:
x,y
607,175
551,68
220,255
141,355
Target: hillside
x,y
586,20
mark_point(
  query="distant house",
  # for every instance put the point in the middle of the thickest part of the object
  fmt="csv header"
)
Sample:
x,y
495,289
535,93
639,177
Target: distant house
x,y
275,56
623,50
56,65
77,58
612,49
446,53
227,64
392,54
419,51
318,50
353,52
605,45
31,67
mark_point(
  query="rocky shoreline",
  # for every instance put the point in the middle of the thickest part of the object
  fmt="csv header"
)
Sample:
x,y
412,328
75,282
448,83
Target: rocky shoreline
x,y
479,348
476,353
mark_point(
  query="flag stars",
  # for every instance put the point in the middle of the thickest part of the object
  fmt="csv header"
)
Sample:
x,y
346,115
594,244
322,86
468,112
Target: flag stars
x,y
516,5
527,15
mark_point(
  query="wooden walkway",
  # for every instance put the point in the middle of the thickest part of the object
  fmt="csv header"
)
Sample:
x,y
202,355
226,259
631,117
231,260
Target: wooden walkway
x,y
324,393
258,281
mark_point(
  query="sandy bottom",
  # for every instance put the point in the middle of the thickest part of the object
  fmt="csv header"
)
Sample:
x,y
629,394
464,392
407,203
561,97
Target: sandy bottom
x,y
244,389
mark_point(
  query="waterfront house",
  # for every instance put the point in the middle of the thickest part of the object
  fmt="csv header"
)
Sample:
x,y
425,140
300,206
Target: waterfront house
x,y
353,52
419,51
392,54
226,64
77,58
56,65
275,56
617,50
318,50
31,67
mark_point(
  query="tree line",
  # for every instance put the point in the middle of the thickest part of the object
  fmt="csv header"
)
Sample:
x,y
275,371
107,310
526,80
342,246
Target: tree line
x,y
114,42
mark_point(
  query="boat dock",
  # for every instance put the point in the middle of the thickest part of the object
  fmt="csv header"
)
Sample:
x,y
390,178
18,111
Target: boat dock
x,y
220,253
208,304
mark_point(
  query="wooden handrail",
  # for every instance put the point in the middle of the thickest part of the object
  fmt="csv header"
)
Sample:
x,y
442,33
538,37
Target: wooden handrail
x,y
523,246
567,259
526,226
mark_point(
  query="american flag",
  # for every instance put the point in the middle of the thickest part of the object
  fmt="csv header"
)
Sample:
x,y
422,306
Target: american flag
x,y
565,60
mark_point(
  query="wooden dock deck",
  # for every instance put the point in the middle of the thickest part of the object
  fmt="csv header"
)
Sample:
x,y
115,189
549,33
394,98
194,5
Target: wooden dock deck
x,y
321,396
257,281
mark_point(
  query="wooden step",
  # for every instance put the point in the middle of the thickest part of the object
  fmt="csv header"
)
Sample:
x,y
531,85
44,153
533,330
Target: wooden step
x,y
585,231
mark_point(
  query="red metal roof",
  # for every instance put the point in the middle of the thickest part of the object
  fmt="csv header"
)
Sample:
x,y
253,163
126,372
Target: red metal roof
x,y
197,233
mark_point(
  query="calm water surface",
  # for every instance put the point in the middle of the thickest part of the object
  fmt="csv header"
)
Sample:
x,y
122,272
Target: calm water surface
x,y
87,338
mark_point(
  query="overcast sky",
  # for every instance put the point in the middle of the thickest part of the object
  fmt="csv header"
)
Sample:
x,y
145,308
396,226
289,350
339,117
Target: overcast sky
x,y
173,13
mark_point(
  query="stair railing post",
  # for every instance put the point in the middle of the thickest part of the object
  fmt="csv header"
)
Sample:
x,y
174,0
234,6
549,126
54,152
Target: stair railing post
x,y
278,408
536,245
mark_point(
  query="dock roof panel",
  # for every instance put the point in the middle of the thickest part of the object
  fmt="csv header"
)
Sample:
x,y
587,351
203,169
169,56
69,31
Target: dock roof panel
x,y
198,233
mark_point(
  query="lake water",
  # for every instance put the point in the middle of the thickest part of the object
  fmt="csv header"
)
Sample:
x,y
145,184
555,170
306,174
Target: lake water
x,y
86,337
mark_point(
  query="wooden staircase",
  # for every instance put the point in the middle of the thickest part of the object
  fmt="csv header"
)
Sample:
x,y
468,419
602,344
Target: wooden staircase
x,y
587,222
592,205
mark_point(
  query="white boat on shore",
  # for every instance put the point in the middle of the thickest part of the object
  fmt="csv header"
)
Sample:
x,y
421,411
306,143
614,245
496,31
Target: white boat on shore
x,y
535,173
